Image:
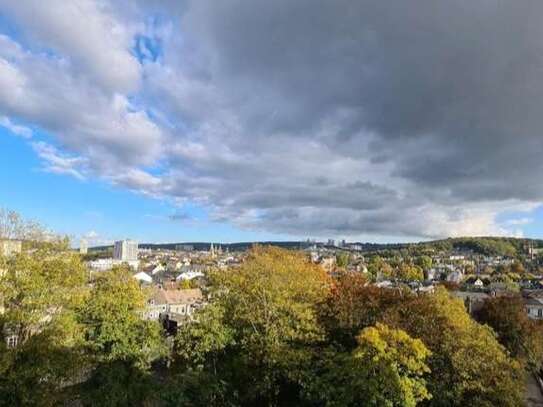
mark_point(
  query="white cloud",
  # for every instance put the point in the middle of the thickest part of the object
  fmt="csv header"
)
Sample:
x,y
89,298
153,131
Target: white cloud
x,y
86,33
519,221
58,163
16,129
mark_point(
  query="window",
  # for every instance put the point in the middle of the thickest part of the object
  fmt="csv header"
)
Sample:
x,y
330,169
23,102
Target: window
x,y
540,313
12,341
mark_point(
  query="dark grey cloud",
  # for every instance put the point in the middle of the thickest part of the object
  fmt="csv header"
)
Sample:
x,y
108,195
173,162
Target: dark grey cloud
x,y
448,95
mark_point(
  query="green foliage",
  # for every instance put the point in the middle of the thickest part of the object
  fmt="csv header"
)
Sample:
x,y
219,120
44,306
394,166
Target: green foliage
x,y
205,341
409,272
386,368
378,268
425,262
119,383
342,259
114,329
40,291
260,326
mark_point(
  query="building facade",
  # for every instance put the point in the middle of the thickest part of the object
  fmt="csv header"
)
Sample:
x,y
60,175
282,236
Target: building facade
x,y
83,246
126,250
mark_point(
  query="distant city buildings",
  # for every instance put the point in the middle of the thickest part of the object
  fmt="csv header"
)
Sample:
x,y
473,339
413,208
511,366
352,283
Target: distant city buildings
x,y
9,247
184,247
126,250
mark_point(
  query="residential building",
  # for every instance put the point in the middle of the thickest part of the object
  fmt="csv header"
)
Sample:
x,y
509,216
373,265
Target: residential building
x,y
83,246
189,275
126,250
473,301
143,277
534,307
170,302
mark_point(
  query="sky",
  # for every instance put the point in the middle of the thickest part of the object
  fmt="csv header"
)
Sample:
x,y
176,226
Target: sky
x,y
240,120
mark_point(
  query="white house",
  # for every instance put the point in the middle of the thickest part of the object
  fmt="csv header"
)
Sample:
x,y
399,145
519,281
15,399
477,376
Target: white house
x,y
158,268
189,275
143,276
478,283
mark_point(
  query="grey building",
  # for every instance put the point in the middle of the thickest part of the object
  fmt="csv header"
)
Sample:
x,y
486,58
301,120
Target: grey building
x,y
125,250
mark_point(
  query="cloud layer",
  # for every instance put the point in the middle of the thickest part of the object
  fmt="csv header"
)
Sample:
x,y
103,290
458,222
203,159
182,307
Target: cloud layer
x,y
362,119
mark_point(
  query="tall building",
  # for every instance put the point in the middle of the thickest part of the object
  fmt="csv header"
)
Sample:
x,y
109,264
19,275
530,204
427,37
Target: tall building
x,y
126,250
83,246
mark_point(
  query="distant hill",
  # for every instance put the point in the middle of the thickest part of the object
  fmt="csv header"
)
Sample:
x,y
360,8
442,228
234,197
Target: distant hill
x,y
487,245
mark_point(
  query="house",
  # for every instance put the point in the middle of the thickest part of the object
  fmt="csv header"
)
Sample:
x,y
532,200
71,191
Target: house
x,y
157,269
170,302
478,283
455,277
473,301
143,277
189,275
534,307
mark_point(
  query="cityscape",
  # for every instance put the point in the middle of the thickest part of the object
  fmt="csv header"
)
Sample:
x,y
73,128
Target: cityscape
x,y
325,203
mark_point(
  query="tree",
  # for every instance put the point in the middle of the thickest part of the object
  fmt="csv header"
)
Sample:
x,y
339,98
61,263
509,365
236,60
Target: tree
x,y
122,345
114,329
517,267
41,291
342,259
408,272
425,262
14,226
469,366
264,323
393,366
522,336
378,268
386,368
352,305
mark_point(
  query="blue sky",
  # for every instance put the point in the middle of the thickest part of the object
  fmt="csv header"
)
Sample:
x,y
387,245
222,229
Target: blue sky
x,y
198,120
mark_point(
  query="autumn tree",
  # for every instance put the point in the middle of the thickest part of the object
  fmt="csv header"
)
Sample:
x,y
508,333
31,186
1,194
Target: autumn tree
x,y
386,368
409,272
469,366
265,314
522,336
352,305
